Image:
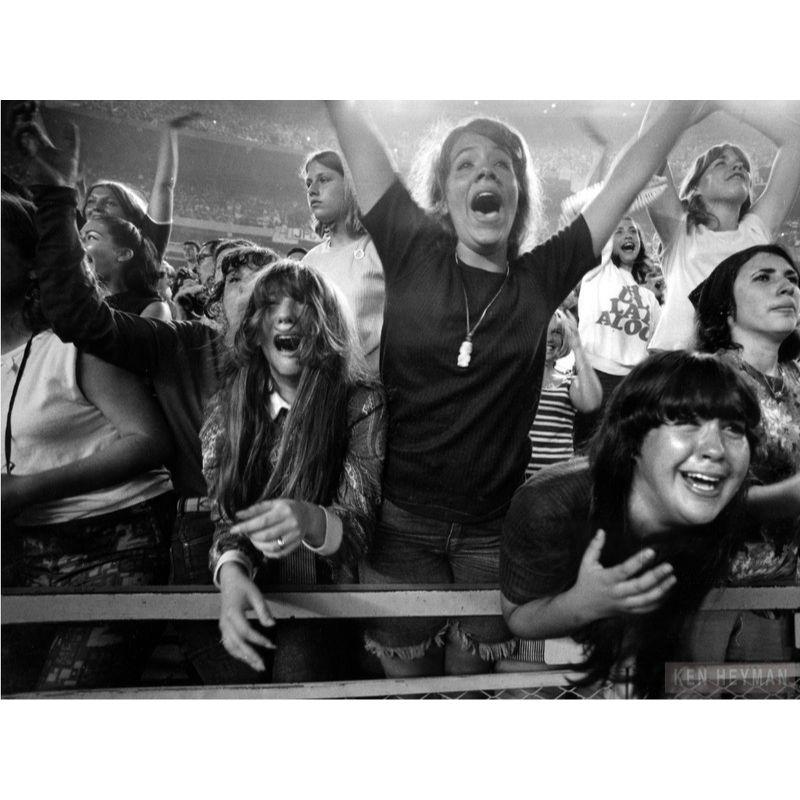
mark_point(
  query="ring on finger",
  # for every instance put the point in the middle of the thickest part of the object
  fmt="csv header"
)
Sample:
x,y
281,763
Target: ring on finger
x,y
279,541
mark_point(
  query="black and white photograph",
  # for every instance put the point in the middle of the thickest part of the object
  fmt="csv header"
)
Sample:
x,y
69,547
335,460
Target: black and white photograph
x,y
330,390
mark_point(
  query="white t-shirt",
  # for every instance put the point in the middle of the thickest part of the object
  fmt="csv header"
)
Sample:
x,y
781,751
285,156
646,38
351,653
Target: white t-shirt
x,y
357,272
617,319
688,261
53,424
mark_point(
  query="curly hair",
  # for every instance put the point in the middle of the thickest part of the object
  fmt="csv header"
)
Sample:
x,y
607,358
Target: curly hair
x,y
432,167
714,304
352,216
673,386
692,201
234,256
255,461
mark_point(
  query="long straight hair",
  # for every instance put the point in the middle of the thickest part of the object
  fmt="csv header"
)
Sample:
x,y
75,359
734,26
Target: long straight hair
x,y
667,387
302,460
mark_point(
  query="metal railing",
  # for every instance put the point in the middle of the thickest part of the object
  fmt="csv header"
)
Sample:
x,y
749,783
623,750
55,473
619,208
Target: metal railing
x,y
31,606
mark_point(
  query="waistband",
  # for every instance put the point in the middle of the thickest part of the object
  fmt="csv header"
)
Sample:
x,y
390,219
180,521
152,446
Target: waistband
x,y
194,505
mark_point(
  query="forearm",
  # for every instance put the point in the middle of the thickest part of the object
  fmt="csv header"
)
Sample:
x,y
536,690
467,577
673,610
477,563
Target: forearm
x,y
634,167
775,126
122,460
159,208
366,156
776,501
547,617
585,392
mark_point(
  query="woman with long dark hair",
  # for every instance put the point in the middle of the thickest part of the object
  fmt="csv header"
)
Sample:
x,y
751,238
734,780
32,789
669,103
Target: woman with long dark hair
x,y
293,454
619,551
715,214
463,349
347,256
126,265
747,312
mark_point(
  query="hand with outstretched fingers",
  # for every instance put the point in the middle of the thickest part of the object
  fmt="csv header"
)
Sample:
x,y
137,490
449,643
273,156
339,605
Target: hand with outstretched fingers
x,y
601,592
238,595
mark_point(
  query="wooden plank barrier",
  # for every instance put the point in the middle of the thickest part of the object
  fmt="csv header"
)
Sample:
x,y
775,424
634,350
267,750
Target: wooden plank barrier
x,y
20,606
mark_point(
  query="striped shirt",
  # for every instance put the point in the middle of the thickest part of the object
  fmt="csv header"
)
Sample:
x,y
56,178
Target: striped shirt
x,y
551,432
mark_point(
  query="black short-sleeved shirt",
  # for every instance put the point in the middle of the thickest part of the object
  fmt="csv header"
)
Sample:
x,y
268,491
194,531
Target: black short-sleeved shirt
x,y
458,445
546,532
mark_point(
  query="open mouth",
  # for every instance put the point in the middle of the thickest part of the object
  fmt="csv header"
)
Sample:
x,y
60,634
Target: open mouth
x,y
703,484
628,247
287,344
486,203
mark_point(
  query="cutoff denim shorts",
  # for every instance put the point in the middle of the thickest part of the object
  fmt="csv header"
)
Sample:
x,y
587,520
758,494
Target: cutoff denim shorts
x,y
411,549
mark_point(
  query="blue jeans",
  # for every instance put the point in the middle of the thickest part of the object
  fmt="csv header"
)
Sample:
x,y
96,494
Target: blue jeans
x,y
411,549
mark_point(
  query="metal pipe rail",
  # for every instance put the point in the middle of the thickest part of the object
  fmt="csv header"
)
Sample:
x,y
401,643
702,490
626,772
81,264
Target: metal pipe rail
x,y
26,606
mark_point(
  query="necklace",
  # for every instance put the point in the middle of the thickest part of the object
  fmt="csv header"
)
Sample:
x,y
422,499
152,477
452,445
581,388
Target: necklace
x,y
776,386
465,351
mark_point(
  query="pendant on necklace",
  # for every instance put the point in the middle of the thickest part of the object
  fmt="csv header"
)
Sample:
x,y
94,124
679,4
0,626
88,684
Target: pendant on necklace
x,y
465,354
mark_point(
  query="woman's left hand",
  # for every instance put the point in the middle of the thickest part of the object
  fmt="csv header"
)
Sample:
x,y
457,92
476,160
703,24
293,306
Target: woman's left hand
x,y
278,527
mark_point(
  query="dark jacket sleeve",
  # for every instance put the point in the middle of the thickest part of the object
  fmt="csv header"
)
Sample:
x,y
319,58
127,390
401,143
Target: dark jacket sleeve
x,y
70,300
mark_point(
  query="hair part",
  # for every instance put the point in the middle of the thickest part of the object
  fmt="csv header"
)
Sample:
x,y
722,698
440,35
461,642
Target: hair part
x,y
667,387
697,213
714,302
134,206
256,459
432,169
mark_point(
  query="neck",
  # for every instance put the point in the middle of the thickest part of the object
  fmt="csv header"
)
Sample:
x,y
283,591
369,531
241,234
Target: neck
x,y
286,389
760,353
641,521
339,237
726,213
14,330
496,261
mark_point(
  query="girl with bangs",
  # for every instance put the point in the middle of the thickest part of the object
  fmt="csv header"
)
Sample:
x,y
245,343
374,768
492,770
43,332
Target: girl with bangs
x,y
619,550
462,355
714,215
295,479
347,256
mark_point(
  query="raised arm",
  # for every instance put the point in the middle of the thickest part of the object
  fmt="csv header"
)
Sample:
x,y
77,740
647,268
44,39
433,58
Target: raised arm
x,y
585,391
159,209
784,177
367,157
143,443
634,166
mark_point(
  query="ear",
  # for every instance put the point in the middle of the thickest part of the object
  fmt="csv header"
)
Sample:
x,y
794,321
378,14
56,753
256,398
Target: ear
x,y
124,254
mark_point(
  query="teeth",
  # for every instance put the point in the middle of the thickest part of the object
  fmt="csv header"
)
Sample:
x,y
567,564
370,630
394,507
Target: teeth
x,y
287,343
703,482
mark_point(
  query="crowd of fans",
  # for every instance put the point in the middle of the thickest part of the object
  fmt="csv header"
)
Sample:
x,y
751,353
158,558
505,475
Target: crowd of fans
x,y
369,411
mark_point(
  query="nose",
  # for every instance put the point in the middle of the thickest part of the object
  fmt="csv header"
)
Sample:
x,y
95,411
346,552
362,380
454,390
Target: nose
x,y
312,189
286,315
709,440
